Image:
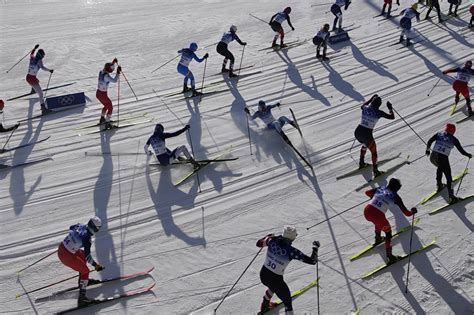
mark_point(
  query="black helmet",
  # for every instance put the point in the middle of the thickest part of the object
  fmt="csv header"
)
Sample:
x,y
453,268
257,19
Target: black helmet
x,y
376,101
40,54
394,184
159,128
287,10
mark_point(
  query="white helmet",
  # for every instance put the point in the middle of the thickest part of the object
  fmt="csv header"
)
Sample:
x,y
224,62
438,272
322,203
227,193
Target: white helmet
x,y
233,28
289,232
94,224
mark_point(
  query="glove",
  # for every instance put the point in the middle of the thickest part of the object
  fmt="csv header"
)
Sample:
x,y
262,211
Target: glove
x,y
99,267
470,156
206,56
413,210
36,46
389,105
246,110
445,72
115,60
398,2
244,43
427,152
119,70
187,127
51,71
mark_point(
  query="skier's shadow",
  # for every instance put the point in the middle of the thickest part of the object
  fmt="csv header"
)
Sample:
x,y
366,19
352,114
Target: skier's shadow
x,y
344,87
165,197
370,64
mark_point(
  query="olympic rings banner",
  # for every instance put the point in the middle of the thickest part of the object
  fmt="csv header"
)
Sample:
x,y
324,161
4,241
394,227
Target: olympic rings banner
x,y
63,101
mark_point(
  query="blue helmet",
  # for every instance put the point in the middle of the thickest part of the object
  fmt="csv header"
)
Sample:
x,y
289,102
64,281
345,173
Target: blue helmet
x,y
193,46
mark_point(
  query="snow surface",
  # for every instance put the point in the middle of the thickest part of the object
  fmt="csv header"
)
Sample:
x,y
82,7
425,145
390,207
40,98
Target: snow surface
x,y
201,240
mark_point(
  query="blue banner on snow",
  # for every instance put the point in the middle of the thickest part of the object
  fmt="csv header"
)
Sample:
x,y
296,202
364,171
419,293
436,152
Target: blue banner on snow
x,y
63,101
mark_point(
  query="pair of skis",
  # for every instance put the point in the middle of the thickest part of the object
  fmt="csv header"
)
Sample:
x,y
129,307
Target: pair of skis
x,y
366,167
24,145
125,123
437,192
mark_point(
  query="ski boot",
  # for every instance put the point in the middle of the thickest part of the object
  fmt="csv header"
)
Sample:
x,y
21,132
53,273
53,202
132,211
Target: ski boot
x,y
325,58
283,45
181,159
83,300
378,239
109,124
32,91
185,88
232,74
409,43
266,306
45,110
376,171
93,282
362,164
101,120
195,93
224,69
452,198
195,164
274,44
318,55
340,29
390,257
401,39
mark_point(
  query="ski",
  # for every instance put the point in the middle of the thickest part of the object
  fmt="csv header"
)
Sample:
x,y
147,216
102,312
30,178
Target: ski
x,y
336,30
235,70
288,43
51,88
114,127
437,192
28,163
452,109
206,93
372,246
111,298
296,122
384,266
199,161
294,294
297,152
288,46
24,145
383,174
367,166
411,45
125,119
444,207
464,119
96,282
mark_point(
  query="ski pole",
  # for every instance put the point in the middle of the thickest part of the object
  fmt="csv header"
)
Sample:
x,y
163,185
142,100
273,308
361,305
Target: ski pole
x,y
248,266
256,17
11,134
434,87
47,86
126,80
203,77
465,169
409,257
36,47
241,59
248,132
32,264
316,245
409,125
166,63
338,214
418,158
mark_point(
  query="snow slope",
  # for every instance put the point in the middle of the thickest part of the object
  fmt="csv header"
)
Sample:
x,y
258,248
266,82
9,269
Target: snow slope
x,y
201,239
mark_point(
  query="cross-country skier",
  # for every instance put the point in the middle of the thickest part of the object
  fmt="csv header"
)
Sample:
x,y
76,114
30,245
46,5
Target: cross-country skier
x,y
439,157
279,254
3,129
71,254
381,199
460,85
320,40
158,142
187,55
265,114
455,4
434,4
103,84
36,63
336,10
224,51
405,22
389,4
364,132
471,10
275,23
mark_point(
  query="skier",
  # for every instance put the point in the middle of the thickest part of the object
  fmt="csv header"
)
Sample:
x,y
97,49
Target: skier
x,y
104,79
381,199
364,132
460,84
320,40
471,10
439,157
187,55
3,129
455,4
265,114
275,23
405,22
279,254
336,10
435,4
389,4
162,153
36,63
71,254
224,51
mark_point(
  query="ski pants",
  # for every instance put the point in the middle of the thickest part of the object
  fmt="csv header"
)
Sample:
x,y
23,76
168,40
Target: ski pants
x,y
277,285
434,4
188,75
34,83
168,157
76,261
365,136
278,29
461,87
106,102
441,161
319,42
405,24
279,123
224,51
380,222
336,10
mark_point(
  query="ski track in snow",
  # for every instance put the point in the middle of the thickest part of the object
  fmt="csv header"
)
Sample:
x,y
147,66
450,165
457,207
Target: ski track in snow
x,y
199,243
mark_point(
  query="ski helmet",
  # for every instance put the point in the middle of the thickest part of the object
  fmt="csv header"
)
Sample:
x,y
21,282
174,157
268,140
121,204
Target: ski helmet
x,y
468,64
326,27
289,232
233,28
193,46
109,67
94,224
261,105
287,10
376,101
40,54
2,104
159,128
414,6
450,128
394,184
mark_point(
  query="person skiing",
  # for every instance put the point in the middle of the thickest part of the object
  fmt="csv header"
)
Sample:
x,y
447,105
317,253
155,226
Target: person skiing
x,y
455,4
187,55
275,22
405,22
279,254
364,131
104,79
389,4
320,40
460,85
336,10
381,199
158,142
72,256
265,114
434,4
224,51
36,63
2,128
439,157
471,10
